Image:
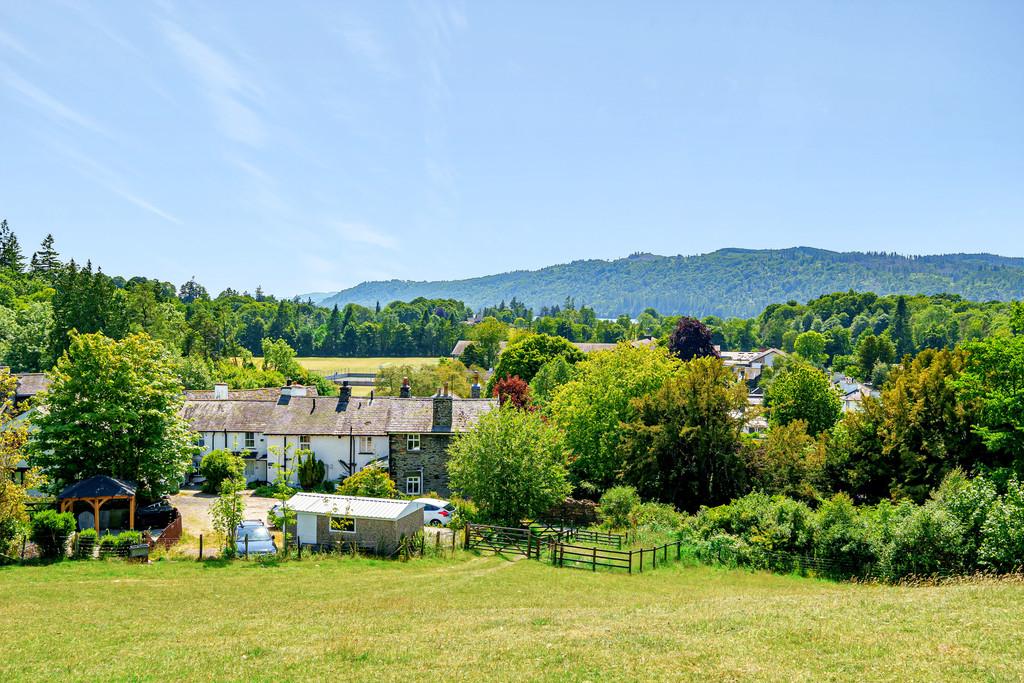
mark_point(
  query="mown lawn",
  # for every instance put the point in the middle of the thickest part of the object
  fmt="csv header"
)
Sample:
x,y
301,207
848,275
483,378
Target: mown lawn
x,y
486,618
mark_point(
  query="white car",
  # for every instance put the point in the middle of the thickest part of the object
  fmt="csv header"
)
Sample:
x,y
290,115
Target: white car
x,y
436,512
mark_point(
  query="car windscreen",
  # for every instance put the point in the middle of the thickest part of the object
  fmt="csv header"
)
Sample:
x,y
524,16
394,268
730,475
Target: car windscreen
x,y
258,533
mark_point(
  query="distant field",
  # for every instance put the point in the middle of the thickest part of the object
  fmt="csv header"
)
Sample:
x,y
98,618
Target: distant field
x,y
328,366
486,618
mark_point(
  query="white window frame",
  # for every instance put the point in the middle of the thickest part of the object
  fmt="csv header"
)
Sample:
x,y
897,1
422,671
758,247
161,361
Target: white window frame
x,y
414,482
305,442
250,443
355,526
366,445
411,439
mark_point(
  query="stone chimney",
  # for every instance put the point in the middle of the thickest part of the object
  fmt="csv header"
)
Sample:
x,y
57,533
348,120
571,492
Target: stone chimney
x,y
474,391
344,392
442,404
406,390
220,391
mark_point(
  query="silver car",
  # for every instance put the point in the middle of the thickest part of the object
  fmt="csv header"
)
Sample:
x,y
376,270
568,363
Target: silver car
x,y
252,537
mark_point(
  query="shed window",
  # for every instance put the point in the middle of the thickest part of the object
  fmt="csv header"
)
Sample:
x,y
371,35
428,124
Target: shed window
x,y
345,525
412,485
412,442
366,444
250,440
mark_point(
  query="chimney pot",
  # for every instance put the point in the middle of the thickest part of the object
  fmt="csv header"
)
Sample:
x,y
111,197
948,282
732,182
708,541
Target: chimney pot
x,y
406,390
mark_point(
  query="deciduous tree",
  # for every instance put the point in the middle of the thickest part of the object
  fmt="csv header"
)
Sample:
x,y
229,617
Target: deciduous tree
x,y
112,408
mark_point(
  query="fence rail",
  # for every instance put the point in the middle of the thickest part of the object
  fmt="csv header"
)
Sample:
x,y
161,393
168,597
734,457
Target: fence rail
x,y
592,557
502,539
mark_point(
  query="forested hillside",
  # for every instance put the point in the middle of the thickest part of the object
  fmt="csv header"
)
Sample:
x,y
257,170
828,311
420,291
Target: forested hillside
x,y
728,282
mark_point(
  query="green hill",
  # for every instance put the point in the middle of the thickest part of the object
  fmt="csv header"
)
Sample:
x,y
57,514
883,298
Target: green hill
x,y
727,282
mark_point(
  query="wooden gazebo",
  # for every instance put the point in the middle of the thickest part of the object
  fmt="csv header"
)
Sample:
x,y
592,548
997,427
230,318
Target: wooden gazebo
x,y
96,491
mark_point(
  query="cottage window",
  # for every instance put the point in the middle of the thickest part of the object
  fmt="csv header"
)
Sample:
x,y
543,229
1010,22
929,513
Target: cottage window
x,y
412,442
304,443
412,485
366,444
250,440
345,525
201,441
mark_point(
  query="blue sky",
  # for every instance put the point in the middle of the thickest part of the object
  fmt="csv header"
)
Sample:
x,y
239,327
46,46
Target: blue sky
x,y
311,146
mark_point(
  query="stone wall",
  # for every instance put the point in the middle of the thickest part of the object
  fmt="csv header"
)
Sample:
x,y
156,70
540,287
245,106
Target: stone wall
x,y
430,462
378,535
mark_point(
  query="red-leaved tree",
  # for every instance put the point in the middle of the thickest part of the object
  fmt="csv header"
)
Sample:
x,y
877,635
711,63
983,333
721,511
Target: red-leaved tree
x,y
513,390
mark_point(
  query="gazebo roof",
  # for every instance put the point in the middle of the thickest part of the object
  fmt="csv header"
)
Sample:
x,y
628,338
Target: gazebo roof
x,y
100,486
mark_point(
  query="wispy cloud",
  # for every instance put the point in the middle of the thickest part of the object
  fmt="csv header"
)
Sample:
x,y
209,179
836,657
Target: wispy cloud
x,y
47,103
9,42
112,181
365,44
225,85
364,234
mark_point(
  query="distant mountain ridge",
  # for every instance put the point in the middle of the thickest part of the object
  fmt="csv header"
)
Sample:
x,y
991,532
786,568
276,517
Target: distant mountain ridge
x,y
727,282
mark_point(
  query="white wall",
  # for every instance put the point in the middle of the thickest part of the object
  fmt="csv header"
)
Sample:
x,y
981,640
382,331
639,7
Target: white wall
x,y
305,527
330,450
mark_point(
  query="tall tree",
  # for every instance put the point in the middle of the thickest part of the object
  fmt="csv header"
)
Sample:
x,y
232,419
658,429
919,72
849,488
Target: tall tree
x,y
691,339
46,261
112,408
511,464
899,329
14,482
683,447
593,408
523,358
11,257
803,393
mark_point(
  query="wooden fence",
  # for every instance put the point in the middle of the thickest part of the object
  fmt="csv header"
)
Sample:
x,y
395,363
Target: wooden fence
x,y
503,539
592,557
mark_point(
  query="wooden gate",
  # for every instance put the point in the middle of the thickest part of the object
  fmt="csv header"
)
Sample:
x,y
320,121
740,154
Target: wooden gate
x,y
502,539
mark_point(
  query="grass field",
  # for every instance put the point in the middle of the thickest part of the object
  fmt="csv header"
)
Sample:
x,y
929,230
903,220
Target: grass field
x,y
327,366
486,618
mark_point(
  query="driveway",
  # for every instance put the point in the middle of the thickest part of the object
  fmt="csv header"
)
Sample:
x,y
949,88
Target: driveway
x,y
194,506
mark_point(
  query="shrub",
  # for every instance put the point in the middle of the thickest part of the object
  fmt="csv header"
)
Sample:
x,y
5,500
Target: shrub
x,y
311,471
466,512
107,542
842,537
276,490
217,466
656,517
50,532
371,481
617,504
127,538
924,542
86,542
1002,534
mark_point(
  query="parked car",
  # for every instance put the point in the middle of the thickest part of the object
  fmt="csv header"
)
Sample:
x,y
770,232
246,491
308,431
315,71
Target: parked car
x,y
260,541
436,512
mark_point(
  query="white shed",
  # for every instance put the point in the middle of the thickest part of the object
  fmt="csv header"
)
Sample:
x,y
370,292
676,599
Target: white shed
x,y
378,524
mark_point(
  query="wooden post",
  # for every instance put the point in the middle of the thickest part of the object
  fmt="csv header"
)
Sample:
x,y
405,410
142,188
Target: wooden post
x,y
679,550
593,558
641,560
200,546
247,547
654,558
466,533
630,561
131,513
298,543
96,514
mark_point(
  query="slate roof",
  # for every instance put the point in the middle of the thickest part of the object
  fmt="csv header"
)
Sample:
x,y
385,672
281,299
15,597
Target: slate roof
x,y
99,486
30,384
265,394
364,416
228,415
